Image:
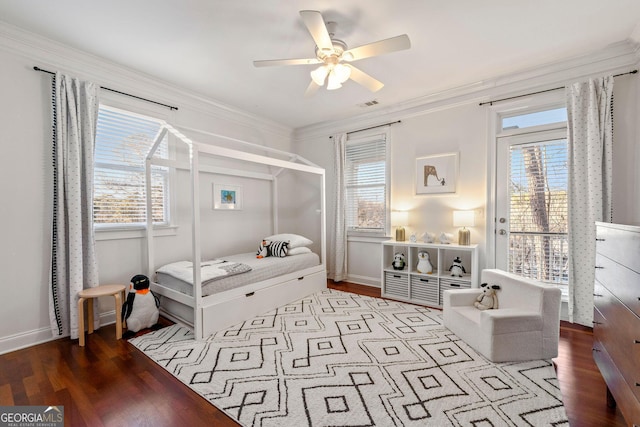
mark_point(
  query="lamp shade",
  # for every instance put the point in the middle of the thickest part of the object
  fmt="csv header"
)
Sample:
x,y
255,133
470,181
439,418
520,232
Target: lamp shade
x,y
399,218
464,219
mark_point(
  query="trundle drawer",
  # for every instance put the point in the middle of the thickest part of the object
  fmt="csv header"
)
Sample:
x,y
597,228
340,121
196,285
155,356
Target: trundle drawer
x,y
220,315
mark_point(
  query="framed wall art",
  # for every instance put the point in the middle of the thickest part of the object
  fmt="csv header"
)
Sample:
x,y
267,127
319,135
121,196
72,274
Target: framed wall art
x,y
437,174
227,196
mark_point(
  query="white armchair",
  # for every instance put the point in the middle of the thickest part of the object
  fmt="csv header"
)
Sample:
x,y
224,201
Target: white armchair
x,y
525,326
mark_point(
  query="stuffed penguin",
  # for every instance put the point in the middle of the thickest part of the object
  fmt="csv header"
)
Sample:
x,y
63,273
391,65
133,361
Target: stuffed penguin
x,y
457,269
424,263
140,310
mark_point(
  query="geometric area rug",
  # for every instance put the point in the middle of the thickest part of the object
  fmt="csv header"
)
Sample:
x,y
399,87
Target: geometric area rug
x,y
342,359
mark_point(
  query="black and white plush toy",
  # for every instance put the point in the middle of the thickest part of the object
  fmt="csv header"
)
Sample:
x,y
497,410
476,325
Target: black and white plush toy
x,y
488,299
399,261
457,269
140,310
272,248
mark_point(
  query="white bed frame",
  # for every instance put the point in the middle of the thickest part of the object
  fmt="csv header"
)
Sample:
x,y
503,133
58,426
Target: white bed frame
x,y
215,312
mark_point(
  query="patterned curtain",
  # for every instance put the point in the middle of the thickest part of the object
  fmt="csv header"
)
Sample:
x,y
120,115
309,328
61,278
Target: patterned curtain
x,y
73,259
590,135
338,256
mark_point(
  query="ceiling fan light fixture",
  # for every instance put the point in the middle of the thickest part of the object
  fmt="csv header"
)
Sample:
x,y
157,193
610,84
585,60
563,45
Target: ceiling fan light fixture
x,y
342,72
333,81
319,75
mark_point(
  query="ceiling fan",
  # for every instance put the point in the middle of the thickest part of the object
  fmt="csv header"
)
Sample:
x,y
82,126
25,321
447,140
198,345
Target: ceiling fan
x,y
333,53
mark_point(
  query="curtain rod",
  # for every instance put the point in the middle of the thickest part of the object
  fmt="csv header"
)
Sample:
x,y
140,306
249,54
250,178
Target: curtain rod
x,y
372,127
543,91
116,91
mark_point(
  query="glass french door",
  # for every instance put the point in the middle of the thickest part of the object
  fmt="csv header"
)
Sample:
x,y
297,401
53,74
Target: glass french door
x,y
531,205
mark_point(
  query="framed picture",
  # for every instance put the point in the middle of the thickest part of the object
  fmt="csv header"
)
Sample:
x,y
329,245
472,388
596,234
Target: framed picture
x,y
227,196
437,174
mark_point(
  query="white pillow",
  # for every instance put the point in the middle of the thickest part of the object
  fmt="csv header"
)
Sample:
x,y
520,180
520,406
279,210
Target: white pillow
x,y
299,250
295,240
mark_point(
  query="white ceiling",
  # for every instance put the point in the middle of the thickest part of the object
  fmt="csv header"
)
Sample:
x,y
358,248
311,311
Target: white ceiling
x,y
208,46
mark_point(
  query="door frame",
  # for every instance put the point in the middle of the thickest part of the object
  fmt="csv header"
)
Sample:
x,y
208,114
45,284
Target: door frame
x,y
495,113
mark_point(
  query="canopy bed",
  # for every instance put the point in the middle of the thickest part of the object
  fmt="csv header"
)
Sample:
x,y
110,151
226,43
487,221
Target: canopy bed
x,y
211,295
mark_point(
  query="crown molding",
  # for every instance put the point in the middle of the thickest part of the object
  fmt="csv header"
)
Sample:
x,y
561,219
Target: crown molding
x,y
55,56
616,58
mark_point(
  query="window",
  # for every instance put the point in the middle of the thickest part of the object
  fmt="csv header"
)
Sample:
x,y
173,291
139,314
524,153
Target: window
x,y
366,181
537,118
123,140
538,211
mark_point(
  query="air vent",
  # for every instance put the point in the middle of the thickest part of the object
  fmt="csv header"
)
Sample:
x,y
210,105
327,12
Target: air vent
x,y
369,103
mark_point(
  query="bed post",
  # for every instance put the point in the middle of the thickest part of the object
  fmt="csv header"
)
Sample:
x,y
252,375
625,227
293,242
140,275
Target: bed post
x,y
274,204
149,199
323,220
196,251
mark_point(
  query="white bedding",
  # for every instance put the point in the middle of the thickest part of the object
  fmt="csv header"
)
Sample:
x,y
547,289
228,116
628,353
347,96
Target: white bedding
x,y
261,269
211,270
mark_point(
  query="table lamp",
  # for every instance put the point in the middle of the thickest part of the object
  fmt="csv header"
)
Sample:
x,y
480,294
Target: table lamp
x,y
464,219
399,219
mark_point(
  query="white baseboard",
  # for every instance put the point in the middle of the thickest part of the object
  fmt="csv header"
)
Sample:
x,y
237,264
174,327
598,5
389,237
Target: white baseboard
x,y
364,280
38,336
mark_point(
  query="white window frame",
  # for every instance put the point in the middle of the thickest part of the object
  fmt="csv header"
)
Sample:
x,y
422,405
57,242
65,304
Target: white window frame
x,y
124,231
355,234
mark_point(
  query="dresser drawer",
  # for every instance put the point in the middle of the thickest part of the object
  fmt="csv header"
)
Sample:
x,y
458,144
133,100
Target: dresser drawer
x,y
618,330
425,289
621,244
623,282
396,284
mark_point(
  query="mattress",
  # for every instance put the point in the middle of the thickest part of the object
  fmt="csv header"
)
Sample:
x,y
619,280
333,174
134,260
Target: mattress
x,y
261,269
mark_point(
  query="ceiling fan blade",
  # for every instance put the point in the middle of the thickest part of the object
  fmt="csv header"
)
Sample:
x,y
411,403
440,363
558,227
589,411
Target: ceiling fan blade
x,y
279,62
311,89
316,26
365,79
378,48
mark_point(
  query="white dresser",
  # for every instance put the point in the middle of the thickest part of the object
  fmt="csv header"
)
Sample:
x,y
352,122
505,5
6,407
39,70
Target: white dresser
x,y
616,324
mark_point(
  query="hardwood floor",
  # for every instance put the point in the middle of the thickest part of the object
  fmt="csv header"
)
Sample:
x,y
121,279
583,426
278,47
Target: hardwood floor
x,y
110,383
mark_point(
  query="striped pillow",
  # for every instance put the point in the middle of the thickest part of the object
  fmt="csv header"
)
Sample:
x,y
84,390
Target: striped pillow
x,y
278,249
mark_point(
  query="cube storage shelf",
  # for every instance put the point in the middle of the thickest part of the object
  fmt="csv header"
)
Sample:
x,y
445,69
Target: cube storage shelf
x,y
412,286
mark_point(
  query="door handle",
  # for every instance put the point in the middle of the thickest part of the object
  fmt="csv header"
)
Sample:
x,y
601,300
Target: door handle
x,y
502,231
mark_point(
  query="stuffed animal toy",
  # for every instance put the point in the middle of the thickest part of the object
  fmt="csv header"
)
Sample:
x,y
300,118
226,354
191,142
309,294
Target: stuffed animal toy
x,y
272,248
263,249
424,263
140,310
457,269
488,299
398,261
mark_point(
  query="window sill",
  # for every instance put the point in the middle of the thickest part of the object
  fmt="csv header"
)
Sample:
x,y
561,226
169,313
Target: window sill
x,y
367,237
133,232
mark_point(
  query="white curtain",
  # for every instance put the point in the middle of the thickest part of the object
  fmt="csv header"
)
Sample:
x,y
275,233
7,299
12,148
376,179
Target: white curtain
x,y
338,257
73,260
590,133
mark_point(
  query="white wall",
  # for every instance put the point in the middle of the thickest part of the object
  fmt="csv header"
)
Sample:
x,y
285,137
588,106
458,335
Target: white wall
x,y
25,181
461,129
455,126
